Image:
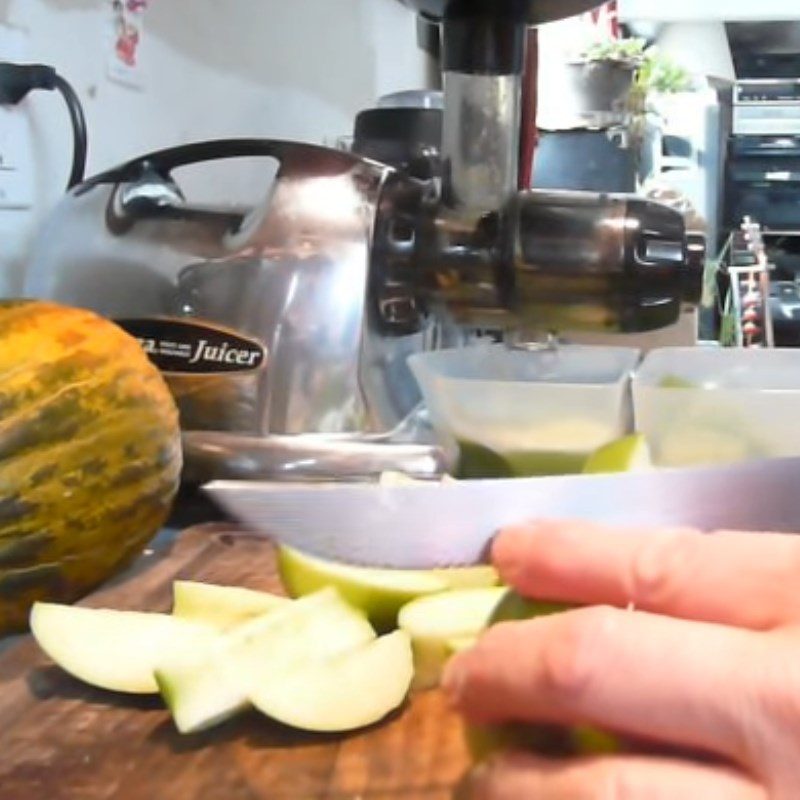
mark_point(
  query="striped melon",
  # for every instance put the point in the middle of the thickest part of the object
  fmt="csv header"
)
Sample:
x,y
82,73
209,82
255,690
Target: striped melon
x,y
90,453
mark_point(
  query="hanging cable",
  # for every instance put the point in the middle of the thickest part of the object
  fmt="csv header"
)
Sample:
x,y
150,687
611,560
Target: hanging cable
x,y
16,80
79,135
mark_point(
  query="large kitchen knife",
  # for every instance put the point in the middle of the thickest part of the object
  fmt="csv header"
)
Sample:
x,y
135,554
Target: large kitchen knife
x,y
424,525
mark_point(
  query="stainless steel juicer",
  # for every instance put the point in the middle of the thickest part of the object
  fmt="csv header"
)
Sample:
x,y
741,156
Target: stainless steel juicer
x,y
283,326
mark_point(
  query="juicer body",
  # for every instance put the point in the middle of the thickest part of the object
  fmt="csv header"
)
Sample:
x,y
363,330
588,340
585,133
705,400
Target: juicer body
x,y
283,326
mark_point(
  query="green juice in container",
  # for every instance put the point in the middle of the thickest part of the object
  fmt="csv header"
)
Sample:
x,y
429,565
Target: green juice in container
x,y
516,412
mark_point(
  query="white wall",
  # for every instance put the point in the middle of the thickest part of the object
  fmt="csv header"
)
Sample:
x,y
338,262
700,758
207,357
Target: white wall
x,y
728,10
211,68
700,47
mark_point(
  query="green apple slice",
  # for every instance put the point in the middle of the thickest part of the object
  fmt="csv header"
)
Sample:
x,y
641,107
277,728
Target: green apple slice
x,y
116,650
554,741
457,644
342,693
392,477
222,607
434,622
512,607
475,577
544,739
201,692
625,454
380,593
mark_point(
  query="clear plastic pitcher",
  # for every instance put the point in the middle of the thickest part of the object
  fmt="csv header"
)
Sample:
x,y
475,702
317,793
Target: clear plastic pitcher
x,y
526,412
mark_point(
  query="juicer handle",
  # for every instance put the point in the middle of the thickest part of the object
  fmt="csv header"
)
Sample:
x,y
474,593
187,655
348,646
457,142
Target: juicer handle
x,y
294,158
145,189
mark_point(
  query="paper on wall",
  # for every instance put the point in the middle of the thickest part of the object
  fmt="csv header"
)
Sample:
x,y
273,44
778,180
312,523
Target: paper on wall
x,y
126,30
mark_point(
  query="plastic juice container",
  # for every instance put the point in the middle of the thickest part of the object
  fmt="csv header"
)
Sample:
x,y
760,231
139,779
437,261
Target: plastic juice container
x,y
706,405
518,412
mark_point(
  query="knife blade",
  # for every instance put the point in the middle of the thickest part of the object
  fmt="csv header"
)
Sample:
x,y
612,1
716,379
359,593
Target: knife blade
x,y
426,525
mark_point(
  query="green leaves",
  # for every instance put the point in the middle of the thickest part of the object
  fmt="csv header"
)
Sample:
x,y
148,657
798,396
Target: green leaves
x,y
654,71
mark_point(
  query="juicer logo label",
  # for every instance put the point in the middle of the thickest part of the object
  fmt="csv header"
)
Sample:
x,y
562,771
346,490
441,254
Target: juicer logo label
x,y
194,347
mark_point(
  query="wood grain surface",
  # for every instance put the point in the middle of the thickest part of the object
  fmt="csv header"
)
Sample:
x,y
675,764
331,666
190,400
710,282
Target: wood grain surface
x,y
61,739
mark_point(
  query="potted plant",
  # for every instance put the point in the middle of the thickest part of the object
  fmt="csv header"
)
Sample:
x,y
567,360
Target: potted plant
x,y
613,80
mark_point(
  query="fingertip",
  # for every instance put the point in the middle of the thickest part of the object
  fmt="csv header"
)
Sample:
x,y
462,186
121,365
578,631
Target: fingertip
x,y
471,678
523,553
542,549
511,545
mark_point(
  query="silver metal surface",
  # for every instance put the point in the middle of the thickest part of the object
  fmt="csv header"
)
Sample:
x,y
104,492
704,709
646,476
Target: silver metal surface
x,y
290,273
309,457
151,194
433,525
480,140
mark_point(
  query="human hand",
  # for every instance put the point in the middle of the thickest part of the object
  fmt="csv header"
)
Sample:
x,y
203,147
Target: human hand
x,y
708,662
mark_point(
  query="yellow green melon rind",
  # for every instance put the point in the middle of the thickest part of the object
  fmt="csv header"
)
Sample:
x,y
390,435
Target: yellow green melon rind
x,y
90,453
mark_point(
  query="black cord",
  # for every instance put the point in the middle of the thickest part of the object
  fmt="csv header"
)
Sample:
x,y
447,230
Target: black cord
x,y
16,80
80,143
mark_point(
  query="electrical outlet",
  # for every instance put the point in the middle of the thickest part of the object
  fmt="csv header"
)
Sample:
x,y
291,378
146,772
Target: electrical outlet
x,y
16,160
15,190
16,167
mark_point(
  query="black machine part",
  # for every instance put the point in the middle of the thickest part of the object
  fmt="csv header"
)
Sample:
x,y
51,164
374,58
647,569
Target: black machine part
x,y
409,139
531,12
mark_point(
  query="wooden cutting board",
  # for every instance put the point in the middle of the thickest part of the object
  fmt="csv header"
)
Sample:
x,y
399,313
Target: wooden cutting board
x,y
61,739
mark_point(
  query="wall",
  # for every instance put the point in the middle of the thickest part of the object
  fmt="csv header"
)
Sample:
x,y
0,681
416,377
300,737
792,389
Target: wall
x,y
299,69
704,10
700,47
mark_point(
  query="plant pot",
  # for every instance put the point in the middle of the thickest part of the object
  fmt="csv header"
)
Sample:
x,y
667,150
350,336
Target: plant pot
x,y
598,91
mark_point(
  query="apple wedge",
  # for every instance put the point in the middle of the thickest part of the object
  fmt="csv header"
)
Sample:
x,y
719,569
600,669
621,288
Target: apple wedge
x,y
201,692
116,650
544,739
380,593
348,691
478,576
553,741
436,621
222,607
512,607
458,644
